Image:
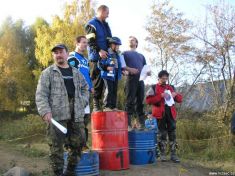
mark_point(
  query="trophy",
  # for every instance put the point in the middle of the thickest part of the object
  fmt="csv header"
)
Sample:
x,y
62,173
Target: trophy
x,y
112,64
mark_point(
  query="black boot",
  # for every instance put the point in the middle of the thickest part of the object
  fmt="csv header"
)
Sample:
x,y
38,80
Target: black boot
x,y
70,169
162,147
86,131
142,122
174,157
96,105
157,151
58,172
129,116
72,160
85,147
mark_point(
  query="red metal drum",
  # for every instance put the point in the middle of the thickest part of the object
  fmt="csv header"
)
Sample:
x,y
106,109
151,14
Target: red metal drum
x,y
110,139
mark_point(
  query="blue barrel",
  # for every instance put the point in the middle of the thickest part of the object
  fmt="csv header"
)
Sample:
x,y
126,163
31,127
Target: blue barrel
x,y
88,165
142,147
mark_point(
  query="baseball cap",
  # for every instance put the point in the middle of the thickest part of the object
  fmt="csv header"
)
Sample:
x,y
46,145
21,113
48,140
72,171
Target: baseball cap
x,y
59,46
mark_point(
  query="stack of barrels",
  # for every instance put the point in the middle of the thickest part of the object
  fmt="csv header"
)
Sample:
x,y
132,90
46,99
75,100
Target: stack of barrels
x,y
110,139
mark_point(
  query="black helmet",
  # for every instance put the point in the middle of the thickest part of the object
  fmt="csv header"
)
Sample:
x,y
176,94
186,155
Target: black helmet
x,y
115,40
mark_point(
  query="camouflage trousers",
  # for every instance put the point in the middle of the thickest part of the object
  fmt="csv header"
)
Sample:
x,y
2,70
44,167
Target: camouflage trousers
x,y
72,142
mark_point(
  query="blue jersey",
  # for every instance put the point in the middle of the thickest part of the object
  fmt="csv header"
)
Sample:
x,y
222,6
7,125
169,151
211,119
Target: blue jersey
x,y
114,61
81,63
151,124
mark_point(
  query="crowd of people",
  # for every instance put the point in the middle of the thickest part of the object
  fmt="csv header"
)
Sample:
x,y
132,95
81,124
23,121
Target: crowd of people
x,y
64,90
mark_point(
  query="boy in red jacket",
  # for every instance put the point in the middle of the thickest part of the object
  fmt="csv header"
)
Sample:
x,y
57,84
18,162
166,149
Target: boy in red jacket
x,y
162,98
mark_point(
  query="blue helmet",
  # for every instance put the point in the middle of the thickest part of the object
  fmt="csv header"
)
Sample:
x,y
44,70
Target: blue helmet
x,y
115,40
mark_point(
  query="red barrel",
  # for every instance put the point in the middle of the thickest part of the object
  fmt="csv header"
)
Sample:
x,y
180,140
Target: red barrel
x,y
110,139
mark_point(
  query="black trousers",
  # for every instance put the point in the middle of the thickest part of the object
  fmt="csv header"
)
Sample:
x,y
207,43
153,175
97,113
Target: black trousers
x,y
86,121
167,126
110,94
97,81
134,90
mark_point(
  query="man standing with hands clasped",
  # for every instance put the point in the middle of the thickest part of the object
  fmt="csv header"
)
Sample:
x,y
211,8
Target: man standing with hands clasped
x,y
162,98
62,94
134,88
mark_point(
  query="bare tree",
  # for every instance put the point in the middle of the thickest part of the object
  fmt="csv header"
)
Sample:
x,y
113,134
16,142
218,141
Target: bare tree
x,y
216,38
171,44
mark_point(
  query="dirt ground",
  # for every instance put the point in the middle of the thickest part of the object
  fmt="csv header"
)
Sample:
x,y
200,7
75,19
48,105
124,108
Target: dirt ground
x,y
39,166
161,169
10,158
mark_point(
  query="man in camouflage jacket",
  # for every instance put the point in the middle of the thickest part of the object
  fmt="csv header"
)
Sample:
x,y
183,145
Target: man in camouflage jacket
x,y
62,94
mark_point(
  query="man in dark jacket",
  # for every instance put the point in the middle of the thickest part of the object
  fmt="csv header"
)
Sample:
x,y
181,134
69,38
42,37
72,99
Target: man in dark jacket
x,y
164,110
98,32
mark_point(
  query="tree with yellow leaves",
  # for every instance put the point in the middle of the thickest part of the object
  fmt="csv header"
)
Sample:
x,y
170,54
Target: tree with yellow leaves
x,y
62,30
16,80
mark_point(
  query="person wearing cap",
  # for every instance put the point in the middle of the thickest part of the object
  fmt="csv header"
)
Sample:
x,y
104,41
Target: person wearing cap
x,y
111,71
76,59
165,112
62,94
98,32
134,89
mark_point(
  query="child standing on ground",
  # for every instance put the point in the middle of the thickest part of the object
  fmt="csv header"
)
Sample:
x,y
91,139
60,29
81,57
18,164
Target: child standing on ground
x,y
151,124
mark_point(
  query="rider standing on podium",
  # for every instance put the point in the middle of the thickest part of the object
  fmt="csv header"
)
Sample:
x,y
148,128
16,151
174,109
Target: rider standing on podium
x,y
111,71
98,32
